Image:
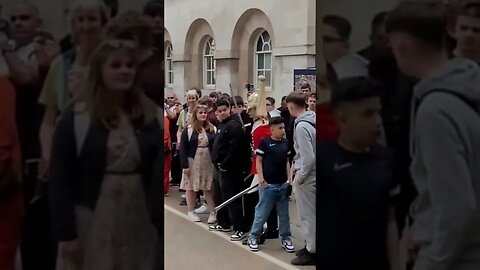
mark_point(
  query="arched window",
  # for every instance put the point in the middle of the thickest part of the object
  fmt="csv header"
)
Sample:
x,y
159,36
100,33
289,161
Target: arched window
x,y
263,58
209,64
169,64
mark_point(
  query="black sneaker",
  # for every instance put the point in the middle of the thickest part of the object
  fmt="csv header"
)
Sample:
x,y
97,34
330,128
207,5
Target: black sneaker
x,y
219,228
238,236
183,202
305,259
301,252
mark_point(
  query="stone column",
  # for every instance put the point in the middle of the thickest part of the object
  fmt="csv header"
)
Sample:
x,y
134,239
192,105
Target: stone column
x,y
227,72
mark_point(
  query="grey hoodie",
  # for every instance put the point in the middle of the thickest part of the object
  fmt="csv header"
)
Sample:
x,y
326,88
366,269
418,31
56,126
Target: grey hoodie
x,y
305,146
446,167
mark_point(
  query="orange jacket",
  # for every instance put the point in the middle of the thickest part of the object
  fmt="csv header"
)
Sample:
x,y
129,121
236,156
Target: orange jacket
x,y
166,135
9,142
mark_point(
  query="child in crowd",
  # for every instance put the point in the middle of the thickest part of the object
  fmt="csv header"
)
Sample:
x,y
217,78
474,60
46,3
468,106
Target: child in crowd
x,y
356,226
273,170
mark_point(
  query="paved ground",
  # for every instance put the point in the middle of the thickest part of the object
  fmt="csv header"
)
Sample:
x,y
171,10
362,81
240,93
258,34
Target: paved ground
x,y
190,245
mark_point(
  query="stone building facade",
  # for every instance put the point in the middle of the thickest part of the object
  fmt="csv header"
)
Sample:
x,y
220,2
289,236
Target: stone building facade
x,y
211,44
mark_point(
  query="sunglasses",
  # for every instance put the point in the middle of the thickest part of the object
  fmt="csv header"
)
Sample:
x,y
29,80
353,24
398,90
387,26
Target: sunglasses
x,y
20,18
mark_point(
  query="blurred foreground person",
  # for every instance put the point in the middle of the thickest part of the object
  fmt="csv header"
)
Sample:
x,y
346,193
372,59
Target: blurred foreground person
x,y
106,193
356,226
445,139
11,199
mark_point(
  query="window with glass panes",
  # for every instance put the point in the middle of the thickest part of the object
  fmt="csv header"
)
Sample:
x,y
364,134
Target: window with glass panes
x,y
263,58
209,64
169,63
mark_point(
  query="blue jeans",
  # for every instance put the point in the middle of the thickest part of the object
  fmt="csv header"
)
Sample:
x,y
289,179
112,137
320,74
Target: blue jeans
x,y
273,195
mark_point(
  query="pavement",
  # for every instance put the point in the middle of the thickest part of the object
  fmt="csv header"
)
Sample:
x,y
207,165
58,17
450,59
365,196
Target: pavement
x,y
190,245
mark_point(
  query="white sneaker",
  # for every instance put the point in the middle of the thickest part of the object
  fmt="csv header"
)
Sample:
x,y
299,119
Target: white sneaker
x,y
202,209
193,217
212,219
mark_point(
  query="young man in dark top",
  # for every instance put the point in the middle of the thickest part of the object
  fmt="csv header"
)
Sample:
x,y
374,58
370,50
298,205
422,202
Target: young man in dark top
x,y
467,31
231,157
356,226
273,169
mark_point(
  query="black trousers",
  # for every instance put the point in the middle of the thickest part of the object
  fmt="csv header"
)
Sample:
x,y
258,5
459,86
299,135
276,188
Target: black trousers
x,y
231,183
38,246
176,169
222,215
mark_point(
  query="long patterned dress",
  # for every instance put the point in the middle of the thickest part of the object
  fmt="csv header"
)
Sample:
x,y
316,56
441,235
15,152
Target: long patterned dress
x,y
201,168
118,235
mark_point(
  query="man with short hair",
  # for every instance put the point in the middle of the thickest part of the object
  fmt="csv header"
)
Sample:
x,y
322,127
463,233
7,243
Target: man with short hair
x,y
312,102
378,37
336,48
231,157
445,138
306,89
356,218
467,31
304,181
272,112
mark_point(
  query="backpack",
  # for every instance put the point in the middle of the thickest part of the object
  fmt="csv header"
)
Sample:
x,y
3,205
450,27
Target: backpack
x,y
303,121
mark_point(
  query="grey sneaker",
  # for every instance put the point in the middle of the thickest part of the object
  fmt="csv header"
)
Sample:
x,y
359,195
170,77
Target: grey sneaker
x,y
252,244
288,245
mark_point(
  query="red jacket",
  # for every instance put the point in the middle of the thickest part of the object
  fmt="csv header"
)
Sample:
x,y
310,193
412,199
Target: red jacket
x,y
326,126
9,148
166,135
258,134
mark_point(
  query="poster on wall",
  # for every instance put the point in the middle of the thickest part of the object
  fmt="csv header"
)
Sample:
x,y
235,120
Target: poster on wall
x,y
301,76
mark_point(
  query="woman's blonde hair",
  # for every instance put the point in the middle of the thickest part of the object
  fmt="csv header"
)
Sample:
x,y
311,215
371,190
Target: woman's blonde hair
x,y
98,97
192,93
196,124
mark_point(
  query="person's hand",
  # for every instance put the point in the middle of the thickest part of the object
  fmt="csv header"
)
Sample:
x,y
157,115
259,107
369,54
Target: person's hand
x,y
186,172
75,79
412,246
46,51
72,251
263,184
43,170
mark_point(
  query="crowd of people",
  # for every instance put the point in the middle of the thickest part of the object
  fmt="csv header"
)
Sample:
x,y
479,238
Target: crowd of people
x,y
80,139
219,146
417,83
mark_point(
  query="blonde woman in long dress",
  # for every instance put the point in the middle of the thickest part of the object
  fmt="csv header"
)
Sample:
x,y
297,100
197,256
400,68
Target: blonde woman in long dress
x,y
107,167
195,149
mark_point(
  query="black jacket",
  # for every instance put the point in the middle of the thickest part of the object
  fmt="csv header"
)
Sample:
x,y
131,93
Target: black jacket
x,y
78,180
231,148
188,148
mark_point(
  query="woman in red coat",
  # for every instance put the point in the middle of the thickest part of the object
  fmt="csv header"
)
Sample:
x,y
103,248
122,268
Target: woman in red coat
x,y
11,201
167,158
